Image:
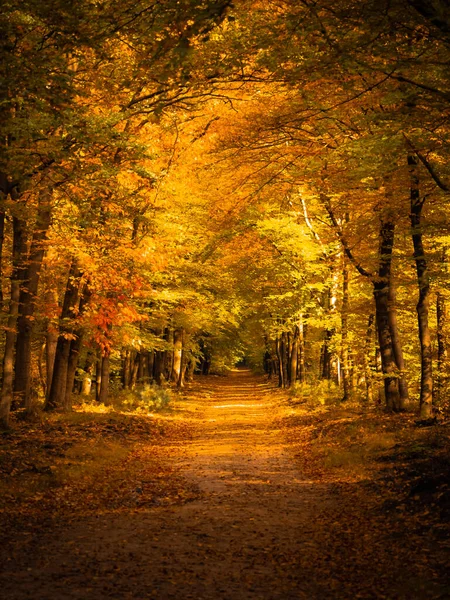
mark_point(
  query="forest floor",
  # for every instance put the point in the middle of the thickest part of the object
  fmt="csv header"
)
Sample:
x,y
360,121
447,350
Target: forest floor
x,y
235,493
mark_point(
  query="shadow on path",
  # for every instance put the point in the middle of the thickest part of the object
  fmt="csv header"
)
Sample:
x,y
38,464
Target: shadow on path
x,y
257,530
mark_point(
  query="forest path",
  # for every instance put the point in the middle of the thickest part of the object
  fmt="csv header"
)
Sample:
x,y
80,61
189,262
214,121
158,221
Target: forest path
x,y
256,528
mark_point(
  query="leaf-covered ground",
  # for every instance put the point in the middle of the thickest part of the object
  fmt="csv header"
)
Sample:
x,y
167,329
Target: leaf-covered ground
x,y
235,494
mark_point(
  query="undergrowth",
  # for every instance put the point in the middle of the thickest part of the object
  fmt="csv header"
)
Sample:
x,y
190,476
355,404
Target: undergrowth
x,y
144,399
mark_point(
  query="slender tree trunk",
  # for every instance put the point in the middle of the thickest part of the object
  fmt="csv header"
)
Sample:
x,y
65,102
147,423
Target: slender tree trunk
x,y
98,376
326,356
293,362
190,369
145,366
177,353
57,394
134,364
125,373
278,346
168,356
301,350
379,370
381,295
41,369
2,239
72,364
104,383
426,380
86,384
396,345
284,358
18,251
74,351
27,302
158,366
441,315
140,358
346,379
150,364
367,354
51,341
183,361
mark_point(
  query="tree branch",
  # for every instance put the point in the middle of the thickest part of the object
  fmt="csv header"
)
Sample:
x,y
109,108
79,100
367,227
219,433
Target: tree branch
x,y
437,180
361,270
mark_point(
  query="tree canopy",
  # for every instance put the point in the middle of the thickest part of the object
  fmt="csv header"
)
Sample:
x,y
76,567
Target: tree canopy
x,y
189,184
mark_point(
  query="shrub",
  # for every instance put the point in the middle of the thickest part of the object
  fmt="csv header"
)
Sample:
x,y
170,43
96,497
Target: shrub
x,y
146,398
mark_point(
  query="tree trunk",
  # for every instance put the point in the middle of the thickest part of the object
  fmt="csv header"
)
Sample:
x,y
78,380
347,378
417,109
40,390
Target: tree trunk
x,y
140,358
150,364
27,302
426,380
51,340
326,356
367,354
346,375
168,356
284,358
72,364
57,394
381,294
125,373
177,354
183,362
98,376
74,351
396,345
86,384
301,350
158,366
18,251
2,239
441,316
104,382
293,362
278,346
190,369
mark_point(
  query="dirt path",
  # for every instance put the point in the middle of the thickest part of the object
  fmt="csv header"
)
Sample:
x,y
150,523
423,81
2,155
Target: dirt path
x,y
257,530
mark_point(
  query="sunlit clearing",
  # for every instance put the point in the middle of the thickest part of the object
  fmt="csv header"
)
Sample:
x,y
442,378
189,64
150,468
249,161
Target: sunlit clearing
x,y
241,406
95,408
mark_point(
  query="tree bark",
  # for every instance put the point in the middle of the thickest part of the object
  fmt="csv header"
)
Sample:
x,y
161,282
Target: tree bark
x,y
423,304
190,369
86,384
51,341
293,362
441,315
74,351
2,239
278,347
396,345
104,383
367,353
158,366
183,361
346,375
284,359
27,302
381,295
150,364
18,251
177,354
301,350
57,394
326,356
